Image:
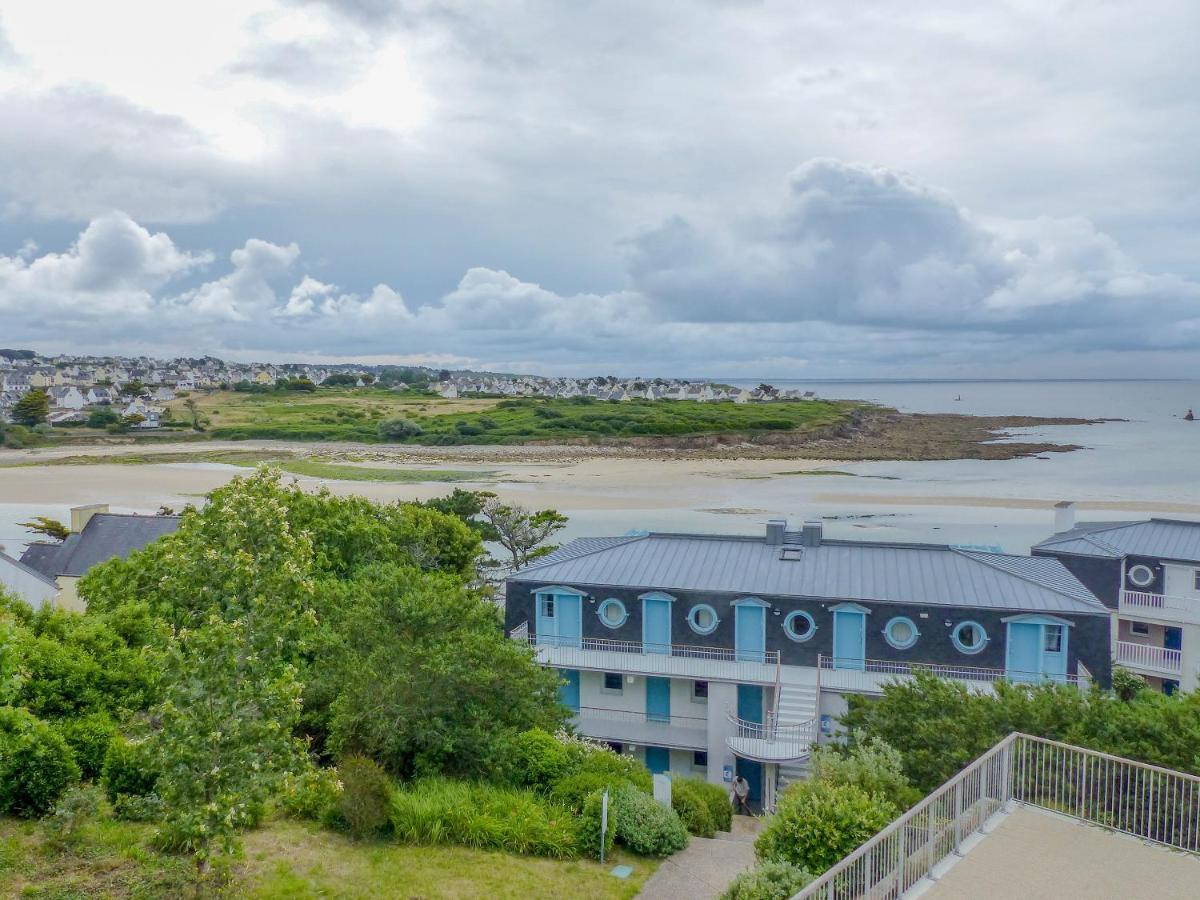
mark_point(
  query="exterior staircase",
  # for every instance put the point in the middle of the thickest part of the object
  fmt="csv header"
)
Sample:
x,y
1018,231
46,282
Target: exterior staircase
x,y
797,703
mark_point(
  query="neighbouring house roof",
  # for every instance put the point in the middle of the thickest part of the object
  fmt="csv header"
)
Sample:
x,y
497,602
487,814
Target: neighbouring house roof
x,y
105,536
29,570
1161,538
925,574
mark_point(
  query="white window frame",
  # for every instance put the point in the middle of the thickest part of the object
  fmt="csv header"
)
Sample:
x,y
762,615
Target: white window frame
x,y
1137,582
1141,629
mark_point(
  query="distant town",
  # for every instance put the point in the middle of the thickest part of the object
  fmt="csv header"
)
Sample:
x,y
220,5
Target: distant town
x,y
136,389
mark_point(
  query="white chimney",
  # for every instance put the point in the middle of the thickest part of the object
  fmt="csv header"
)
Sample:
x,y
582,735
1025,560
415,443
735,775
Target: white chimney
x,y
1064,516
775,530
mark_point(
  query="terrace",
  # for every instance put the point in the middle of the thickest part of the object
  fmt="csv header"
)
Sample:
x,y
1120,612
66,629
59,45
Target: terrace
x,y
1159,607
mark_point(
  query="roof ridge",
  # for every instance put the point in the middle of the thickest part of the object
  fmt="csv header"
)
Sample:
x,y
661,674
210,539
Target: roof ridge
x,y
975,554
546,561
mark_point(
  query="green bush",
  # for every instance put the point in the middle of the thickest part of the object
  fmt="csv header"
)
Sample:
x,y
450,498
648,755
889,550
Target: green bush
x,y
484,816
871,764
619,767
397,429
645,826
312,794
74,809
704,808
768,881
129,769
537,759
818,822
36,765
589,826
88,737
363,806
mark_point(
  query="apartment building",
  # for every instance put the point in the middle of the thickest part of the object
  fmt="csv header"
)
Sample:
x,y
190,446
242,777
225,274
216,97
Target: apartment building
x,y
717,655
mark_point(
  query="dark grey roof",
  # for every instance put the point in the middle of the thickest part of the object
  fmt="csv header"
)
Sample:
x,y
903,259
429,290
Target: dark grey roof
x,y
843,570
106,535
1162,538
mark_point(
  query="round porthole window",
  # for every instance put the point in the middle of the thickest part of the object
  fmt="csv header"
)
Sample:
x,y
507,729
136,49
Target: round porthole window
x,y
969,637
612,613
703,619
799,625
901,632
1142,576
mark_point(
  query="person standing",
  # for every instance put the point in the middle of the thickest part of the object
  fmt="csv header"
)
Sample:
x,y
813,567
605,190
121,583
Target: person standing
x,y
741,795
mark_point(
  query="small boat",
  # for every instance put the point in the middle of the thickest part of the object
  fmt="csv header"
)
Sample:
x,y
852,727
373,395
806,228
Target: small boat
x,y
959,397
1190,417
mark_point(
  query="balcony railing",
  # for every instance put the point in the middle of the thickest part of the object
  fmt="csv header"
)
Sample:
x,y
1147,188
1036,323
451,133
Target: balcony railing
x,y
1147,656
771,741
640,727
870,675
1160,606
683,660
1148,802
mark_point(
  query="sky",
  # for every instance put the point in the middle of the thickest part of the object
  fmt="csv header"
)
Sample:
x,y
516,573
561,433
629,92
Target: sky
x,y
711,188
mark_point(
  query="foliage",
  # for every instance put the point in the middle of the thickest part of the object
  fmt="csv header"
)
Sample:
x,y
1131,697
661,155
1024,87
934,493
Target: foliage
x,y
869,763
426,680
590,826
102,417
32,409
1127,684
483,816
88,736
36,764
311,794
537,759
645,826
818,822
129,770
704,808
768,881
363,804
44,525
398,428
75,808
523,534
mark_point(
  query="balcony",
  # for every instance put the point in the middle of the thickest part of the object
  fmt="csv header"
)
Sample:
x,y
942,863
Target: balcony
x,y
633,727
1148,658
669,661
771,741
868,676
1159,607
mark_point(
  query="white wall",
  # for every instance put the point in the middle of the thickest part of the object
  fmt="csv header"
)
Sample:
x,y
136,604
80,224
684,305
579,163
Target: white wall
x,y
1180,581
25,585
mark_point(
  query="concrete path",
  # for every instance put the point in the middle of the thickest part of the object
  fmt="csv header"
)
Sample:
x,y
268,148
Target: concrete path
x,y
706,866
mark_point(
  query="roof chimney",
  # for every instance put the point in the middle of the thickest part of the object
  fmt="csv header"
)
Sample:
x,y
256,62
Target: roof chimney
x,y
1064,516
812,532
775,530
81,515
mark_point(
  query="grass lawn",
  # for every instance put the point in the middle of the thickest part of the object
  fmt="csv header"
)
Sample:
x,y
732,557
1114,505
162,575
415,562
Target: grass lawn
x,y
292,860
314,469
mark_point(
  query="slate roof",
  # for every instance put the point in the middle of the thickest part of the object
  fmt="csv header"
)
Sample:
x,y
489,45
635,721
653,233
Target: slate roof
x,y
4,557
106,535
1162,538
842,570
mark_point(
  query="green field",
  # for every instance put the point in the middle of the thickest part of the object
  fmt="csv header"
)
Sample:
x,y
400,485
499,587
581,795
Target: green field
x,y
355,414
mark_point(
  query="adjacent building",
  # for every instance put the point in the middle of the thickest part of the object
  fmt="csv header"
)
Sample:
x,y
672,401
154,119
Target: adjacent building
x,y
720,654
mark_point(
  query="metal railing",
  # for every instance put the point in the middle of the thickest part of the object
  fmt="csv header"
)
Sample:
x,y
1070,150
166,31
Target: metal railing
x,y
521,632
772,739
869,675
1160,606
598,713
1147,656
1155,804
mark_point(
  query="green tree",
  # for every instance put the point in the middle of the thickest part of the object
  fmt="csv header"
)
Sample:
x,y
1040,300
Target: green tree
x,y
397,428
132,388
193,412
819,822
51,528
32,409
102,417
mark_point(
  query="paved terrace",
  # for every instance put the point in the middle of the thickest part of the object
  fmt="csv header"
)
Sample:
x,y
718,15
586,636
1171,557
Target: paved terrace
x,y
1036,855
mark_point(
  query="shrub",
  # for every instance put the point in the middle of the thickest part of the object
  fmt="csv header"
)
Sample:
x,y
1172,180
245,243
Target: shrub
x,y
704,808
146,808
365,799
538,759
645,826
312,794
483,816
1127,684
397,429
768,881
88,737
75,808
129,770
589,825
618,767
871,764
36,765
818,822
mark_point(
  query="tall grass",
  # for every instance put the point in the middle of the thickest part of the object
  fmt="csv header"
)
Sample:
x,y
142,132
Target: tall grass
x,y
483,817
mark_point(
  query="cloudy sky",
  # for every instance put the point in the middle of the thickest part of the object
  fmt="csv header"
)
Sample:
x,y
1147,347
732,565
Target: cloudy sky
x,y
707,188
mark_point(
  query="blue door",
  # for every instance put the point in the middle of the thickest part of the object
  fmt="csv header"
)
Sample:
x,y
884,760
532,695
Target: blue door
x,y
658,699
849,639
1024,657
1173,638
656,625
658,760
559,620
750,702
753,772
750,636
568,691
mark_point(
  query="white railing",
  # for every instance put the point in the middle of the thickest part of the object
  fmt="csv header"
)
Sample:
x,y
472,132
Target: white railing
x,y
1147,656
1160,606
771,740
1155,804
521,632
870,675
598,713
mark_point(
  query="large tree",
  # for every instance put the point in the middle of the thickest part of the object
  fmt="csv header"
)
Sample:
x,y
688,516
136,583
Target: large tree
x,y
32,409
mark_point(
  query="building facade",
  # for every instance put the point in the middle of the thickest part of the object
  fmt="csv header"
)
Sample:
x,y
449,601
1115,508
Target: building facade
x,y
717,655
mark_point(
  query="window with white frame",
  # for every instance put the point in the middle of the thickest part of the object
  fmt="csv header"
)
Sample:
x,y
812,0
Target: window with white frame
x,y
548,606
1052,639
1141,629
1141,576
